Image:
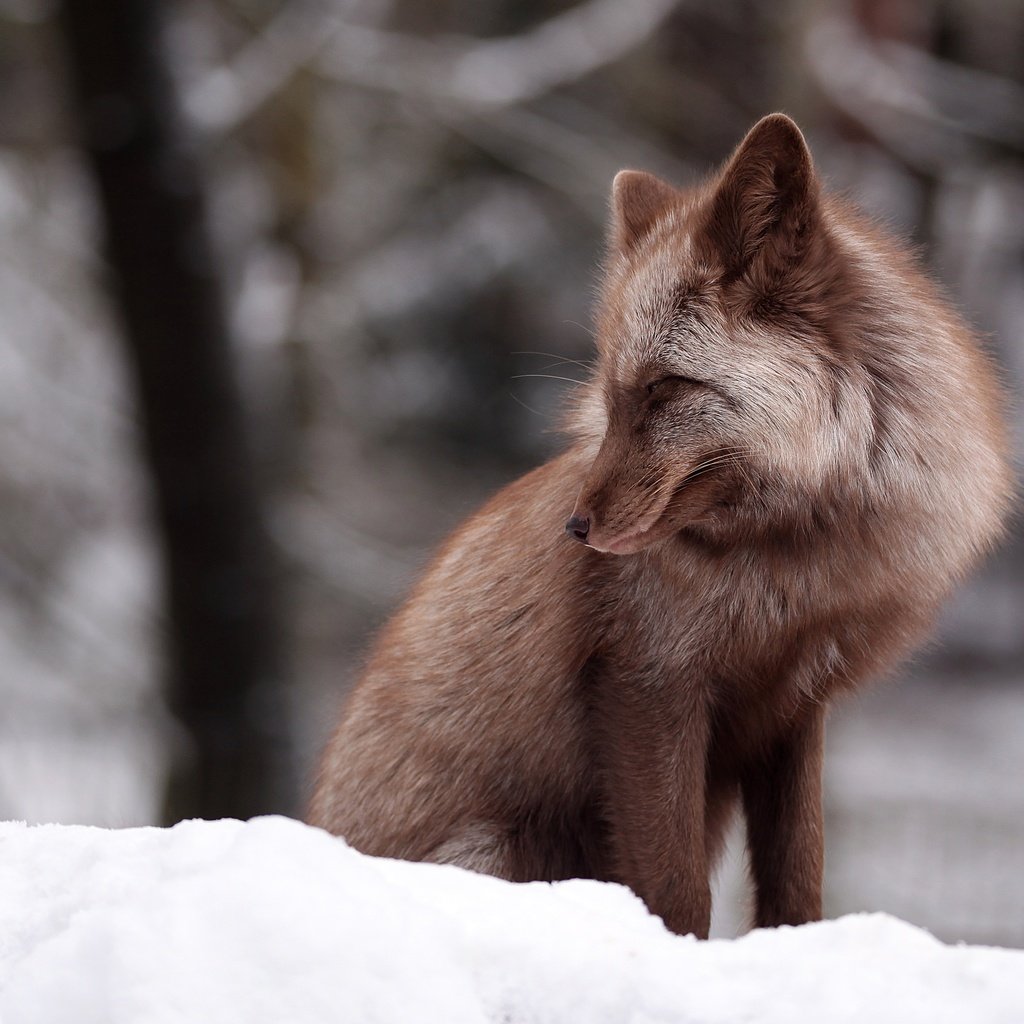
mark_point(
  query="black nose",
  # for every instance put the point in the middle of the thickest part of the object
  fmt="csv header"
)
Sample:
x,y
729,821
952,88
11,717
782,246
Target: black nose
x,y
578,527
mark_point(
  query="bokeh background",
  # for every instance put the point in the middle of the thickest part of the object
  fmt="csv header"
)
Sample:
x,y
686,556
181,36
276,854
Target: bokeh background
x,y
352,254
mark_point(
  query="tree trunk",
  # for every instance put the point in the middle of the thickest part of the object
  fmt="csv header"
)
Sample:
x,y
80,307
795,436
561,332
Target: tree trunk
x,y
225,649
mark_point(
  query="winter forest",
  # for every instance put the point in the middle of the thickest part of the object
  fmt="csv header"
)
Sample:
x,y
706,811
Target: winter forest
x,y
340,292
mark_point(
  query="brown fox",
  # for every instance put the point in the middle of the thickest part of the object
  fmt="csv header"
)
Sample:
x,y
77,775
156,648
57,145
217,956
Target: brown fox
x,y
791,448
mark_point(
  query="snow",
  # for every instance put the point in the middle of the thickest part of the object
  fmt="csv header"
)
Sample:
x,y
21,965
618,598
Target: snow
x,y
273,921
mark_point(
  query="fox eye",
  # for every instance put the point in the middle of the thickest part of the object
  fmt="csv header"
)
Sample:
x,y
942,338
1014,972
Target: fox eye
x,y
662,382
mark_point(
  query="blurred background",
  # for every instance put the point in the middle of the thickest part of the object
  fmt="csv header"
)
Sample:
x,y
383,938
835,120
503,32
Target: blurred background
x,y
289,287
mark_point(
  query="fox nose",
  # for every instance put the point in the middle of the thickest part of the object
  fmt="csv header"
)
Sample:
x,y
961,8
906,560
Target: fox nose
x,y
578,527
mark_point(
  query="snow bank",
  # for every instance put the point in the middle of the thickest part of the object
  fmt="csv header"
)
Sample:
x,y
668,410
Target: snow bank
x,y
272,921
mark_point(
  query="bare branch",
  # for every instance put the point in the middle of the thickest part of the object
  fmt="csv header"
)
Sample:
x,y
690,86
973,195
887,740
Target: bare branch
x,y
556,152
224,97
496,72
927,111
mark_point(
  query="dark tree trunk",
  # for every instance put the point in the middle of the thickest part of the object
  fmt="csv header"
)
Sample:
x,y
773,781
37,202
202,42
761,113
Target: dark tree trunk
x,y
225,652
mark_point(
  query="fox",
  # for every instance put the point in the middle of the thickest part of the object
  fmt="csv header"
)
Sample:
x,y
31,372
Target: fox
x,y
790,449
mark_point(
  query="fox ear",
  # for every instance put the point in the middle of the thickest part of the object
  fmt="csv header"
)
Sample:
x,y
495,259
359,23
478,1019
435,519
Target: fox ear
x,y
638,200
764,209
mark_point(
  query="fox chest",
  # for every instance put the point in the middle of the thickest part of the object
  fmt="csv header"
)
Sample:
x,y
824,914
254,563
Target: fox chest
x,y
737,645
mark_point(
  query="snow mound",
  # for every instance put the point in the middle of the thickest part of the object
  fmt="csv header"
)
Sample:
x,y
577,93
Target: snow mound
x,y
273,921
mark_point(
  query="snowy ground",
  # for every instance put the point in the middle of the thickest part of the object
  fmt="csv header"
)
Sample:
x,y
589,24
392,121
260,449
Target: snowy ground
x,y
272,921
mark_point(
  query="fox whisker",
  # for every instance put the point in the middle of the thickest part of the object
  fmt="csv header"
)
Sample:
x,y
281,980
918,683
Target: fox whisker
x,y
558,359
549,376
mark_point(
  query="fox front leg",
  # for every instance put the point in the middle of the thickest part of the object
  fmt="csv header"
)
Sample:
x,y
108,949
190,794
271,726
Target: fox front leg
x,y
653,746
785,830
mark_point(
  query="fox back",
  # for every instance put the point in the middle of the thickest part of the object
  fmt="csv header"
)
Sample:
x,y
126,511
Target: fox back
x,y
789,451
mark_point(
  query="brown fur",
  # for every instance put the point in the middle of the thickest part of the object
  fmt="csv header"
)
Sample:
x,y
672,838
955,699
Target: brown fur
x,y
790,450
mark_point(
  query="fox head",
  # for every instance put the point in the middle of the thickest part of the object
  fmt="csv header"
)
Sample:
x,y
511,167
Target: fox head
x,y
715,391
